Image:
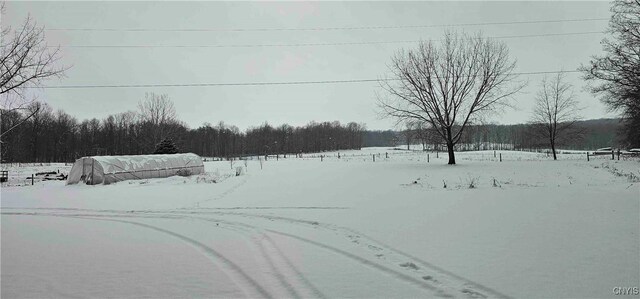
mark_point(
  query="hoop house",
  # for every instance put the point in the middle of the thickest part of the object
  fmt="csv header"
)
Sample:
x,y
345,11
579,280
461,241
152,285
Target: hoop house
x,y
111,169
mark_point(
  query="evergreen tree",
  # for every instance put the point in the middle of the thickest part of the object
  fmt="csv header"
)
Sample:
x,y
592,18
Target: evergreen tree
x,y
166,146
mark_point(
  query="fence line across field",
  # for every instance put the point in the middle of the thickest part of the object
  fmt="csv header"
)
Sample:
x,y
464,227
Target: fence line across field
x,y
485,155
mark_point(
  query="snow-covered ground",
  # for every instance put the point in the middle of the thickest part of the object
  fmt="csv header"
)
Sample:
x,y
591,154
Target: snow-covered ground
x,y
525,227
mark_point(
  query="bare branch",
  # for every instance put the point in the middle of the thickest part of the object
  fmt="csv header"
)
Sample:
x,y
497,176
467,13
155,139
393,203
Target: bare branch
x,y
25,61
25,58
448,85
616,75
556,110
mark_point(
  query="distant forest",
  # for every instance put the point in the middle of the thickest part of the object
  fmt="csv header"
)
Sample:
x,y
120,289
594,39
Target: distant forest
x,y
49,136
587,135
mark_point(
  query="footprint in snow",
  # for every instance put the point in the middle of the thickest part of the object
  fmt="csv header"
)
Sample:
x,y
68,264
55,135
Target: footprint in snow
x,y
410,265
473,294
429,278
373,247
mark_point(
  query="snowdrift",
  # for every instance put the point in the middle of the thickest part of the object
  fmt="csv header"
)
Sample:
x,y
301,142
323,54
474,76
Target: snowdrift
x,y
110,169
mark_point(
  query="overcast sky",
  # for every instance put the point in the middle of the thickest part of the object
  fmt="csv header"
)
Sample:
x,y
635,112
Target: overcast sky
x,y
246,106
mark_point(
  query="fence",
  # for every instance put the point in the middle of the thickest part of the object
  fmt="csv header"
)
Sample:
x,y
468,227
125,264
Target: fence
x,y
625,155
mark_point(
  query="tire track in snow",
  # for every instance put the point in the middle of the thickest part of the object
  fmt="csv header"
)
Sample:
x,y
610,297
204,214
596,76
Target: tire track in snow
x,y
212,254
315,292
370,264
470,285
233,226
277,272
404,277
467,287
223,194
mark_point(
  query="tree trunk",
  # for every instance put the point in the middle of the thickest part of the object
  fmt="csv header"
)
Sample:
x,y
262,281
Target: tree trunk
x,y
553,149
452,158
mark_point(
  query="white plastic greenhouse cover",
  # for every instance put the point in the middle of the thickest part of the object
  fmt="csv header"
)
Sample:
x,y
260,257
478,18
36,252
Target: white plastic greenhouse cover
x,y
110,169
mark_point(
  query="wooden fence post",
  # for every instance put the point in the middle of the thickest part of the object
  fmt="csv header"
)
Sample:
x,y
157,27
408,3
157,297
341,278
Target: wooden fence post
x,y
374,157
427,158
321,157
500,157
587,156
612,155
32,179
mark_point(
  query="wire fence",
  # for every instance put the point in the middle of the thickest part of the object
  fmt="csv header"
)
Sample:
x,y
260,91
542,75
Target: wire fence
x,y
429,155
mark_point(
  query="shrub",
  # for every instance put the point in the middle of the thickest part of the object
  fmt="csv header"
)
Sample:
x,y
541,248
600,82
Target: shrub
x,y
472,182
184,172
496,184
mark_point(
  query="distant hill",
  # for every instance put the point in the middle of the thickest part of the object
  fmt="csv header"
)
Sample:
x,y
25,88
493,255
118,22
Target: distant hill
x,y
598,133
381,138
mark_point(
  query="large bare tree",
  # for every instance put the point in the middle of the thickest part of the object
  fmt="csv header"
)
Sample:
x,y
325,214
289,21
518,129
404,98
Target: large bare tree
x,y
616,75
556,111
25,61
158,119
450,84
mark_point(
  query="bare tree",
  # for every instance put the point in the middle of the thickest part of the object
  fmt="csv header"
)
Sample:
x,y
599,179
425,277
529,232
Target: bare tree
x,y
25,61
449,85
556,112
158,119
616,75
16,111
409,132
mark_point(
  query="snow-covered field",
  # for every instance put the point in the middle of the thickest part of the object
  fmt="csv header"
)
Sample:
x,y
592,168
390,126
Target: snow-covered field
x,y
526,227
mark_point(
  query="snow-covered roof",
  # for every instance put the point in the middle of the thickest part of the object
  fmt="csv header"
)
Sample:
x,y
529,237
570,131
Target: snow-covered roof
x,y
117,164
111,169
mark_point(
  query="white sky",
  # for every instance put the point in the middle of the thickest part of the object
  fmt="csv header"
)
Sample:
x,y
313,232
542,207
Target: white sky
x,y
248,106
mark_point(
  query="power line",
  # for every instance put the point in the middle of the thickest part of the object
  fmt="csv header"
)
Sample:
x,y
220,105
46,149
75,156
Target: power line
x,y
317,44
321,28
254,83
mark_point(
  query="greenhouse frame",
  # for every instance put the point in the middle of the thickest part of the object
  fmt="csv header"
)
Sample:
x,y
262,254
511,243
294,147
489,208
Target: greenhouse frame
x,y
111,169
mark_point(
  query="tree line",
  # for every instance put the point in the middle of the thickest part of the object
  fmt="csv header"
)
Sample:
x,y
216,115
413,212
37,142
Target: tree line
x,y
49,136
585,135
